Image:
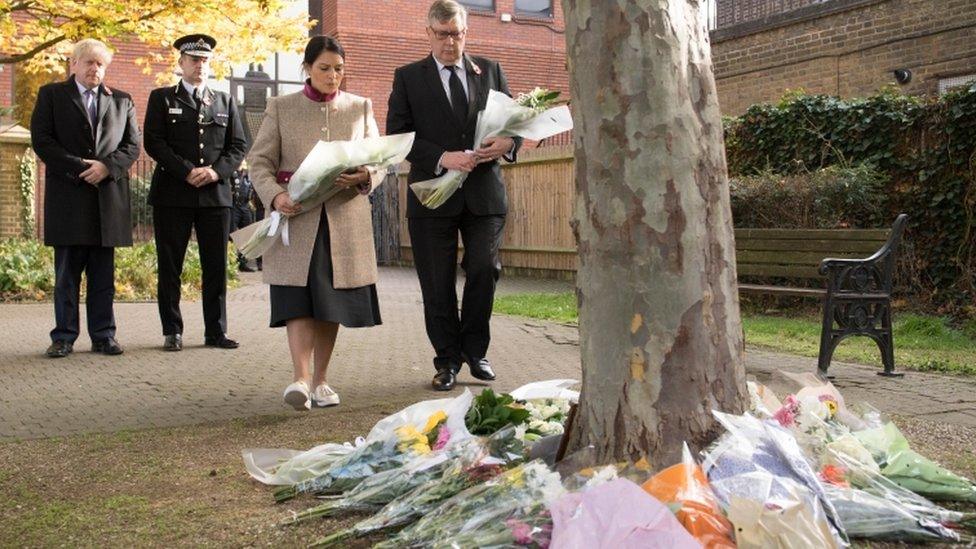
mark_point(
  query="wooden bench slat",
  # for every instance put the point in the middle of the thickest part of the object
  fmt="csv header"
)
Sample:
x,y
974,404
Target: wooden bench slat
x,y
780,257
826,247
781,290
879,235
785,271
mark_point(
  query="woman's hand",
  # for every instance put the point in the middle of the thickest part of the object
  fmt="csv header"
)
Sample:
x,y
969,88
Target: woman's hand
x,y
354,179
284,204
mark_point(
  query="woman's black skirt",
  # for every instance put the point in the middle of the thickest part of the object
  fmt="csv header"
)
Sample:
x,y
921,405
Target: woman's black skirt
x,y
352,308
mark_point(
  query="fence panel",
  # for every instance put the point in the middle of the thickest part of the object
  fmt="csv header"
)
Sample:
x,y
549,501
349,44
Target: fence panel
x,y
538,238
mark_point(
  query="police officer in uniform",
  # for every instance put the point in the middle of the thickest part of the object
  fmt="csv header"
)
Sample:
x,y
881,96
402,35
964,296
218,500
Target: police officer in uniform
x,y
243,215
196,138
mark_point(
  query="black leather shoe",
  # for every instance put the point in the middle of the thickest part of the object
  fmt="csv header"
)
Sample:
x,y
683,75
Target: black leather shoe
x,y
221,341
59,349
107,347
481,369
444,380
173,342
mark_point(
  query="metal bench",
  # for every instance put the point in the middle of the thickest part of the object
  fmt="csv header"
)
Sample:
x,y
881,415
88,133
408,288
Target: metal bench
x,y
857,296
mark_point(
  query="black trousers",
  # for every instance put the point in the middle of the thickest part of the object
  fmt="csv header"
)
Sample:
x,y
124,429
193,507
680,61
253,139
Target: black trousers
x,y
434,241
98,264
171,227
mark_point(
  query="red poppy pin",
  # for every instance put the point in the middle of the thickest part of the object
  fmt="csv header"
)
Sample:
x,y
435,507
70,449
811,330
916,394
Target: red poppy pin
x,y
475,68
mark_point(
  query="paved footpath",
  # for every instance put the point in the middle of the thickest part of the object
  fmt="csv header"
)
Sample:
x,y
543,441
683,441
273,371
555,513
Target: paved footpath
x,y
146,387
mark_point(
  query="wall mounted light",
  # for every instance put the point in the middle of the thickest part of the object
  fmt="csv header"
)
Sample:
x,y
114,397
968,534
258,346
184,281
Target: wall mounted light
x,y
903,76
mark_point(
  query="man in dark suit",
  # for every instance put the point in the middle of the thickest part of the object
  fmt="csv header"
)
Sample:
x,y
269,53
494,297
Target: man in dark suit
x,y
195,135
86,134
439,98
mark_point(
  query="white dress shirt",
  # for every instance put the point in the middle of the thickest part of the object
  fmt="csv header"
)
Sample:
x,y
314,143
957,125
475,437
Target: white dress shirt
x,y
191,88
90,100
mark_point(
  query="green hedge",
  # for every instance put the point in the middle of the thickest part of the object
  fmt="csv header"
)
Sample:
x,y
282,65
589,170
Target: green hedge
x,y
830,198
923,148
27,271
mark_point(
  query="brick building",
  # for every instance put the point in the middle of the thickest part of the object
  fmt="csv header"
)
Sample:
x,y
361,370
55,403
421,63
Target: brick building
x,y
526,36
848,48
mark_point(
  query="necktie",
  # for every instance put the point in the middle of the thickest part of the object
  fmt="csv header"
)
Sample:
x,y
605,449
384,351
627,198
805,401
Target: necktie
x,y
92,109
459,99
196,97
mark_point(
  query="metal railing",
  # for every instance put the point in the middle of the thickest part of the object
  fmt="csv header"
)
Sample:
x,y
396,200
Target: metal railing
x,y
140,175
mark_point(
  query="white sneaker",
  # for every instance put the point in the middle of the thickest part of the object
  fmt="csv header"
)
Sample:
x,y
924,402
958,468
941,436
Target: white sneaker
x,y
296,396
324,396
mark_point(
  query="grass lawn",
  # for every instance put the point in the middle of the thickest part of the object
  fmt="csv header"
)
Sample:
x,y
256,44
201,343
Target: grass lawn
x,y
169,487
921,342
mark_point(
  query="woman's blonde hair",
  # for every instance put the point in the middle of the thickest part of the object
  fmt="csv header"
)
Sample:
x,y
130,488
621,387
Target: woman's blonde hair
x,y
90,46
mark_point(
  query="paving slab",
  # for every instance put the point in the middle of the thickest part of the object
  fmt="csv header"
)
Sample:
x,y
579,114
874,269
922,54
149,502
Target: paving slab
x,y
147,387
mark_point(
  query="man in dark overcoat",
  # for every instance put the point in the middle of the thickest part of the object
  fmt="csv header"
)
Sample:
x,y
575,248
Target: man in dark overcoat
x,y
86,135
439,98
196,137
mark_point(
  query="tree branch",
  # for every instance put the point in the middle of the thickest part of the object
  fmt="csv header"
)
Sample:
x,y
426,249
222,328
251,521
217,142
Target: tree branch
x,y
17,58
20,6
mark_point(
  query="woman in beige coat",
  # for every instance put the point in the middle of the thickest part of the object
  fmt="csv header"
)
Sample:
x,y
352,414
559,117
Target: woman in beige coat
x,y
326,276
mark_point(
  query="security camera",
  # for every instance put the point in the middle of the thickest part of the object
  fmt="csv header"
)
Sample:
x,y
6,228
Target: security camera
x,y
903,76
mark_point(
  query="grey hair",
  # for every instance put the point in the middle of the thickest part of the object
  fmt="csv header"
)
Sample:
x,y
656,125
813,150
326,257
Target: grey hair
x,y
90,46
445,11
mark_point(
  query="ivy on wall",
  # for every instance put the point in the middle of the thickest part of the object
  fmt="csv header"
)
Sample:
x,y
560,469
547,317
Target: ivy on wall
x,y
28,176
924,148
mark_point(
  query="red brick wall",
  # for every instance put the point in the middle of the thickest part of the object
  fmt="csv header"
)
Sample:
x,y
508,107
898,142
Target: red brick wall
x,y
125,75
6,86
389,34
849,52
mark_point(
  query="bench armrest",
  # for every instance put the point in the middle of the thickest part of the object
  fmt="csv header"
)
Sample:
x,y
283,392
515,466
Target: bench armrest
x,y
874,273
831,265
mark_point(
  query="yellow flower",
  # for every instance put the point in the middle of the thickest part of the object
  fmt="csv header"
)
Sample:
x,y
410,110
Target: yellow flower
x,y
411,440
435,419
516,477
832,406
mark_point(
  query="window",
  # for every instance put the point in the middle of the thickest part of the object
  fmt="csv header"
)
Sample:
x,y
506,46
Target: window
x,y
945,84
712,12
479,5
538,8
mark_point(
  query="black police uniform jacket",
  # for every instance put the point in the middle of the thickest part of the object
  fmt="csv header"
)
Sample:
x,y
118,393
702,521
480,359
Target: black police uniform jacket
x,y
75,212
179,138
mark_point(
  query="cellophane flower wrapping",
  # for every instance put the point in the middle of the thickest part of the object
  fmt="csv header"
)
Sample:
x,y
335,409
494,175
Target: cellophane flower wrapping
x,y
501,117
516,498
757,454
470,464
314,182
685,486
387,446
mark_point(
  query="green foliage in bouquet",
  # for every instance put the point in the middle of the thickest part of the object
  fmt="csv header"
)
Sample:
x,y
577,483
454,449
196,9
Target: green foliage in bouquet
x,y
490,412
539,99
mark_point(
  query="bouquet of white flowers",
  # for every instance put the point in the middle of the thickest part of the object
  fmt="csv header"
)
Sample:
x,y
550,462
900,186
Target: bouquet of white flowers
x,y
531,116
314,182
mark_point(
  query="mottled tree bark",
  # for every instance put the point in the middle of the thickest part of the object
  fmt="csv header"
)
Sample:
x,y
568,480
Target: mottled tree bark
x,y
661,339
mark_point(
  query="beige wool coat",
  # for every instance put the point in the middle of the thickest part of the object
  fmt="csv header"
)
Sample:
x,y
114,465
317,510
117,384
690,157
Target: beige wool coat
x,y
292,125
